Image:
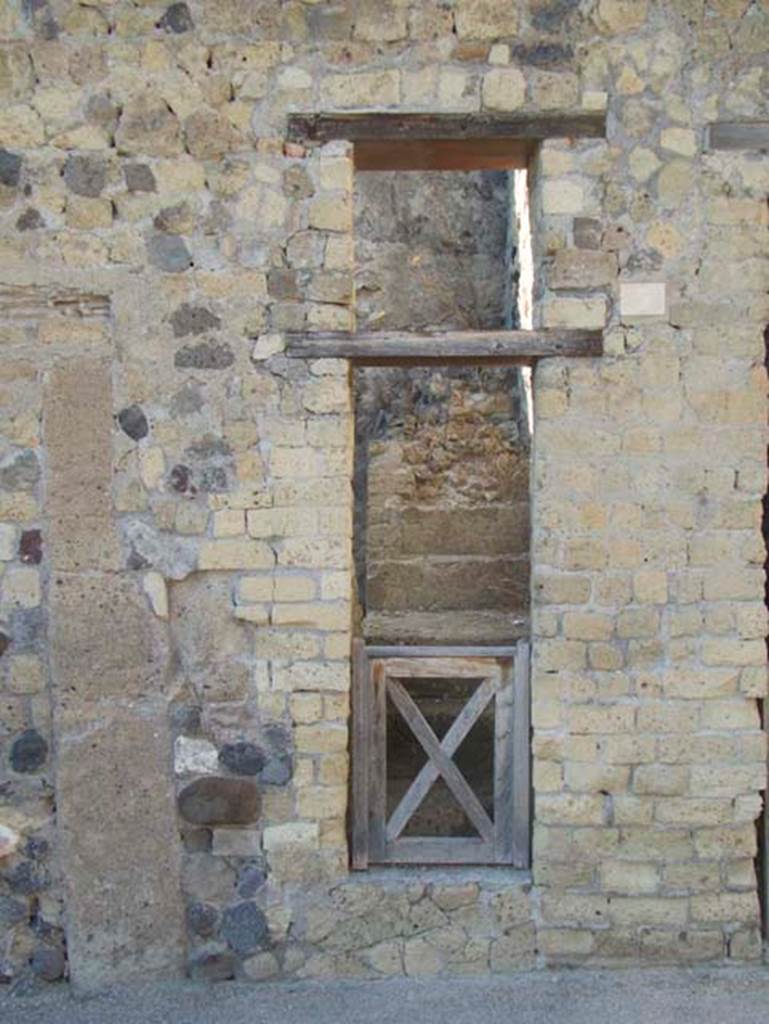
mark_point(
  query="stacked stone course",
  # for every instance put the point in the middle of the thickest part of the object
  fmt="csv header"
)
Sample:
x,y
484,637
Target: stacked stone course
x,y
175,500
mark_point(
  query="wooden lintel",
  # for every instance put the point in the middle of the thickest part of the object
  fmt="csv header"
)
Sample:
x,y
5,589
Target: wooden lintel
x,y
446,651
442,155
387,348
397,127
751,136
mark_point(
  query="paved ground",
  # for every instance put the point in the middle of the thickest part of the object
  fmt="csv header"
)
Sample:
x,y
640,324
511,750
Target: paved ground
x,y
726,996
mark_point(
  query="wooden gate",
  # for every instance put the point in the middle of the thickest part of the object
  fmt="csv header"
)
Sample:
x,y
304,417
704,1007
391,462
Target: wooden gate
x,y
380,676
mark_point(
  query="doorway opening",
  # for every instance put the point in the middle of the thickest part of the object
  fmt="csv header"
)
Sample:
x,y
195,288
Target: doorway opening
x,y
442,523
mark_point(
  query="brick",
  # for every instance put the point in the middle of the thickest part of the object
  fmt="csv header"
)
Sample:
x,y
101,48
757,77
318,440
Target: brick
x,y
326,676
581,269
235,554
616,718
317,615
631,879
731,907
570,809
320,739
661,780
317,802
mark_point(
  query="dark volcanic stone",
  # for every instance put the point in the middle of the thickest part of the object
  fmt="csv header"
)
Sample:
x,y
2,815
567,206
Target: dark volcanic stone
x,y
198,840
11,911
177,19
216,800
28,752
186,401
180,479
202,919
24,879
27,627
205,356
208,447
189,319
174,220
212,967
139,178
36,848
5,643
543,54
102,111
214,480
85,175
587,233
168,252
277,772
133,422
244,927
136,560
31,547
242,758
250,880
30,220
48,963
10,168
185,718
549,15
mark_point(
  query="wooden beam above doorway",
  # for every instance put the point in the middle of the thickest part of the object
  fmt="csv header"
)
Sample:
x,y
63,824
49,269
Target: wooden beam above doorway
x,y
442,155
378,126
401,348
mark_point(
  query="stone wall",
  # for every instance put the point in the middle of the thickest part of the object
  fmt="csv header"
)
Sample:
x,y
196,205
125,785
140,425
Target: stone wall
x,y
191,486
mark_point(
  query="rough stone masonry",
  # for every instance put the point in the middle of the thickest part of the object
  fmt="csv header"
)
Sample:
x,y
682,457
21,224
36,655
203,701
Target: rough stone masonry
x,y
175,500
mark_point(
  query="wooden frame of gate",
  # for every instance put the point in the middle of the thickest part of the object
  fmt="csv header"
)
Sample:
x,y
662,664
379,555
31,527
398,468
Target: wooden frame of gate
x,y
502,675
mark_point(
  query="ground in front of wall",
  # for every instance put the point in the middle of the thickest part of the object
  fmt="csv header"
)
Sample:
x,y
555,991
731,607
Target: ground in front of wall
x,y
669,996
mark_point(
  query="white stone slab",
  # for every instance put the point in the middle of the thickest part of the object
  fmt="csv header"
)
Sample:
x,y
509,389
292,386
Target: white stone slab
x,y
642,298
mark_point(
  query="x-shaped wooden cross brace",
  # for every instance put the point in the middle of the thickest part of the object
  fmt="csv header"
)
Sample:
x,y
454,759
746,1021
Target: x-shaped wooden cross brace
x,y
440,755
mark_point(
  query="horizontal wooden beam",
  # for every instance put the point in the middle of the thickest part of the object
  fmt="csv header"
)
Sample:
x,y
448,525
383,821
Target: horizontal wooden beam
x,y
392,127
469,651
752,136
443,155
387,348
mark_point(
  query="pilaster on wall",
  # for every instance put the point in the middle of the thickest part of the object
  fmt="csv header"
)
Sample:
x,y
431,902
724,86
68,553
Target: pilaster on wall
x,y
109,660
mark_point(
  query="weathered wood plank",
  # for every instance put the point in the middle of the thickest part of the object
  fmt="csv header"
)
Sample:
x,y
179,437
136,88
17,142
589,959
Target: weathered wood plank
x,y
504,718
442,155
752,136
377,762
521,757
438,668
420,787
452,776
361,745
404,651
391,127
449,850
399,347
